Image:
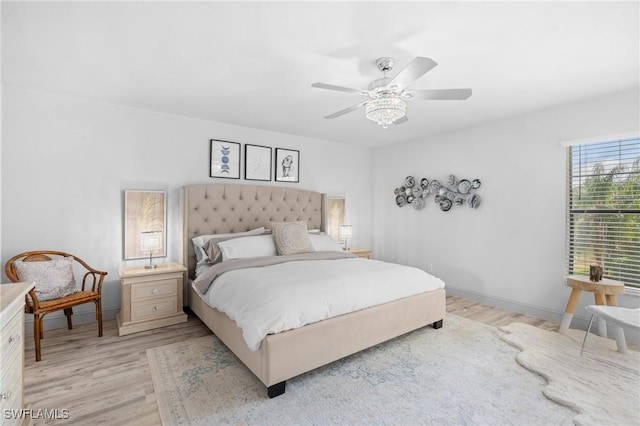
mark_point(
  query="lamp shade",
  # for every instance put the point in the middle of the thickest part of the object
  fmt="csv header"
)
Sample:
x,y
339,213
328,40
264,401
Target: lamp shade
x,y
150,241
346,231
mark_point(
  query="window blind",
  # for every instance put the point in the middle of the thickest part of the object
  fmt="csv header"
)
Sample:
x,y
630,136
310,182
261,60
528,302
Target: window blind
x,y
603,212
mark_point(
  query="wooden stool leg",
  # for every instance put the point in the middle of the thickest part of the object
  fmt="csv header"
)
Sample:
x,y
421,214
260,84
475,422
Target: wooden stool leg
x,y
574,297
602,324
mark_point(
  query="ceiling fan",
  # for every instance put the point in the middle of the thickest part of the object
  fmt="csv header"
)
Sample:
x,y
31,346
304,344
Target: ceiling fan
x,y
386,104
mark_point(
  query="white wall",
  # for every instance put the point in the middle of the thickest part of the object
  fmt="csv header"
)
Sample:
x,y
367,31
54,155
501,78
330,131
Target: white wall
x,y
1,123
510,251
66,162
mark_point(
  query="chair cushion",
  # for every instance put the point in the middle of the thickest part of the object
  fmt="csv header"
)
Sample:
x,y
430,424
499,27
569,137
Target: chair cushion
x,y
52,278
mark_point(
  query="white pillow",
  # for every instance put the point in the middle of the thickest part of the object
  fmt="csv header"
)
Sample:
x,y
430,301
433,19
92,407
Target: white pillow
x,y
291,237
200,241
52,278
324,242
253,246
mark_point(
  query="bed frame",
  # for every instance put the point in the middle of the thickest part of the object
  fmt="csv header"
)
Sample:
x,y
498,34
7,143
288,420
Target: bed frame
x,y
214,209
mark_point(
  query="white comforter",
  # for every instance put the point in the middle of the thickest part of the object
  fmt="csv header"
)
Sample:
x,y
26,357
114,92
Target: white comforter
x,y
276,298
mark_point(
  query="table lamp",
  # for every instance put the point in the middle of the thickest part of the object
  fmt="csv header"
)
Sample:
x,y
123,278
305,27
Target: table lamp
x,y
150,241
346,232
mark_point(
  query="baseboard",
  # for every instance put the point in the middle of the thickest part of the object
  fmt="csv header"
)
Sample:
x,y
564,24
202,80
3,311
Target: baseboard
x,y
579,322
58,320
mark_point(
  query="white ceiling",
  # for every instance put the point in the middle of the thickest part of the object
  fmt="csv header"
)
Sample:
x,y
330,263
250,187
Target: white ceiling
x,y
252,64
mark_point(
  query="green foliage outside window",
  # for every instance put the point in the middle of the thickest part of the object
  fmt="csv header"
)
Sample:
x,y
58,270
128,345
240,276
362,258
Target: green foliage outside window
x,y
604,209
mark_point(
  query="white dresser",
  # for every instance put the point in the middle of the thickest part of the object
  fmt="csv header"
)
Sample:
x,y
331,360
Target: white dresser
x,y
12,348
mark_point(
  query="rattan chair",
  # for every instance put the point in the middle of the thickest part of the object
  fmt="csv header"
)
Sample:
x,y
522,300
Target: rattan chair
x,y
91,291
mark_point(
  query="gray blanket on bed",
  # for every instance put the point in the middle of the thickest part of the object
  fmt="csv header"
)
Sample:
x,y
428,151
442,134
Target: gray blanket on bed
x,y
203,281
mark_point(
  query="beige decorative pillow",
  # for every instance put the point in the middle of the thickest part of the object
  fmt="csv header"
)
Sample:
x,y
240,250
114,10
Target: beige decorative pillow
x,y
52,278
291,237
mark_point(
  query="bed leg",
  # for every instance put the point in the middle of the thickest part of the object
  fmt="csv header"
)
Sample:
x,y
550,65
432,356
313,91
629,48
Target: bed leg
x,y
276,390
437,324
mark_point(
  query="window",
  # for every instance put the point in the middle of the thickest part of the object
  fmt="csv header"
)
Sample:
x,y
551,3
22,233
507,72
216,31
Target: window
x,y
603,223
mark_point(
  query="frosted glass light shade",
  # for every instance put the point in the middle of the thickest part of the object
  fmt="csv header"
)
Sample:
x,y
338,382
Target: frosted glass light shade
x,y
150,241
346,231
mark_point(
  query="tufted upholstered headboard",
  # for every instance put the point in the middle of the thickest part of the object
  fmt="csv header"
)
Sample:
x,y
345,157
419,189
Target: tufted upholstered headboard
x,y
220,209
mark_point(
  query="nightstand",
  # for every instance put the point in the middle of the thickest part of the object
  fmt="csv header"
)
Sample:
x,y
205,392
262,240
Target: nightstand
x,y
360,252
150,298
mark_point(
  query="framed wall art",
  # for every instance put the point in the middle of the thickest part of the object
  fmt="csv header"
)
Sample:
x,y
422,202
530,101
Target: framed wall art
x,y
145,214
224,159
287,165
335,213
257,162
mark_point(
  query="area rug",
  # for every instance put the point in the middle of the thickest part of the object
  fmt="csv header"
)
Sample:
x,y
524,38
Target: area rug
x,y
461,374
603,385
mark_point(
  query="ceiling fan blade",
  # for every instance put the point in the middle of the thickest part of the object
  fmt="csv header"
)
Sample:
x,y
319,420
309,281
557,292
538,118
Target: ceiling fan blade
x,y
346,110
401,120
416,69
338,88
439,94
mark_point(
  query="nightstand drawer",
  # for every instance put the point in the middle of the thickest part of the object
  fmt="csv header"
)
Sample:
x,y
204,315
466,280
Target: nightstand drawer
x,y
141,311
155,289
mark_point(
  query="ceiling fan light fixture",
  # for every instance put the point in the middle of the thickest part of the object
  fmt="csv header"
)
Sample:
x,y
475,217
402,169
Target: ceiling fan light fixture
x,y
386,104
385,110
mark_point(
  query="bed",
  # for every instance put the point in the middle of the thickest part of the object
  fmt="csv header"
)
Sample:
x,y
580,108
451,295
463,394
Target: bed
x,y
222,209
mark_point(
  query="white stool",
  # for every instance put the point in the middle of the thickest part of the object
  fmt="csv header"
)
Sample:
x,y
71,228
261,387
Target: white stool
x,y
605,289
618,318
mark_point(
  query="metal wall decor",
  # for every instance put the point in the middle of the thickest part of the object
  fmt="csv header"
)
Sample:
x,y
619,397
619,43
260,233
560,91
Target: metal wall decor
x,y
446,194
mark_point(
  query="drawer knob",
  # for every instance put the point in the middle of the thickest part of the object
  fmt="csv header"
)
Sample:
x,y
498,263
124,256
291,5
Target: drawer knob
x,y
15,338
155,308
155,290
5,395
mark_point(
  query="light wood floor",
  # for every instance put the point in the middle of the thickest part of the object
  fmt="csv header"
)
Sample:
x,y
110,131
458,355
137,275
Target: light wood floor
x,y
107,380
